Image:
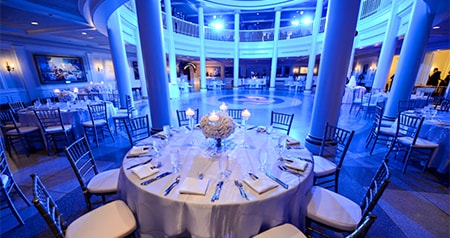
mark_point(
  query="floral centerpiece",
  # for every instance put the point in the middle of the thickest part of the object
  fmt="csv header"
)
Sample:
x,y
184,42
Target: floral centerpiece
x,y
67,96
218,126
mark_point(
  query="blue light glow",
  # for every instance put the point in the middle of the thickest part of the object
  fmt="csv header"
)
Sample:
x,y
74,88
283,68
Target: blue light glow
x,y
306,21
295,22
218,25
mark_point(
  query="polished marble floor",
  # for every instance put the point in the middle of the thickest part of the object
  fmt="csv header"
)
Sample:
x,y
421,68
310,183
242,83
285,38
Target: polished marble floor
x,y
414,205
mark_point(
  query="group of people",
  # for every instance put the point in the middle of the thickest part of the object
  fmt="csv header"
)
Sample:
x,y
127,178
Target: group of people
x,y
435,78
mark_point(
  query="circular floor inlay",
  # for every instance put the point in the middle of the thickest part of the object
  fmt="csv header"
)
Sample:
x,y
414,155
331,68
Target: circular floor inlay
x,y
251,100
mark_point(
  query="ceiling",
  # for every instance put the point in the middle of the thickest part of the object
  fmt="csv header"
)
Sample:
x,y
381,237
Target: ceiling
x,y
60,21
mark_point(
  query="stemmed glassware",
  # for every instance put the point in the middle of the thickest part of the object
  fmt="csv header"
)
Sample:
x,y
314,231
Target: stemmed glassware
x,y
223,165
281,146
245,116
190,114
262,157
175,160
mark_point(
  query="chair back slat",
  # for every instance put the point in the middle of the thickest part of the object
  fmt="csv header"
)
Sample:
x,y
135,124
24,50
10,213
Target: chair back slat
x,y
47,208
98,111
281,121
376,188
138,128
236,114
183,119
49,117
335,143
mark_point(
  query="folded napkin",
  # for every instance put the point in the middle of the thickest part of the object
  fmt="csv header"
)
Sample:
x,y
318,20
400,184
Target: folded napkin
x,y
261,185
139,150
197,127
145,170
298,165
292,142
194,186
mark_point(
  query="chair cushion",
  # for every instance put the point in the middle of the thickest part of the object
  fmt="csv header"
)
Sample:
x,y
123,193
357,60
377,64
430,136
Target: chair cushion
x,y
332,209
99,122
23,130
387,131
5,179
120,116
104,182
420,143
323,166
55,129
282,231
114,219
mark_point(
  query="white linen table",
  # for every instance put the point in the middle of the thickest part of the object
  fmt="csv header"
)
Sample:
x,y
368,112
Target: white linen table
x,y
231,215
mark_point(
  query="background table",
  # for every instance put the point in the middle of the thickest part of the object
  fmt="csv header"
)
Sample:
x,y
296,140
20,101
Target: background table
x,y
231,215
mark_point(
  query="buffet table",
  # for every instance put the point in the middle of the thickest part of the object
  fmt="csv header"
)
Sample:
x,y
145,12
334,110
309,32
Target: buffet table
x,y
231,215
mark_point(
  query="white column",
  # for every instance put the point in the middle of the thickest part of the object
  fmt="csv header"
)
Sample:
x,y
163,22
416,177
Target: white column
x,y
236,51
411,54
338,43
154,58
170,36
387,49
119,58
201,25
312,52
276,34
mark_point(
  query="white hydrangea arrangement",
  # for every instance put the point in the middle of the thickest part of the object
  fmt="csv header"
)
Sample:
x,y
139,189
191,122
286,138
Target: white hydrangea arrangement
x,y
67,96
222,129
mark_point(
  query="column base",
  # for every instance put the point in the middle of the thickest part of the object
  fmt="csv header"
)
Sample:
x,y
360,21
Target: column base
x,y
307,92
155,130
272,89
203,90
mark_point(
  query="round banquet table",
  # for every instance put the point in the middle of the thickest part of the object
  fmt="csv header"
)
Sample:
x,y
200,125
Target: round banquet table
x,y
229,216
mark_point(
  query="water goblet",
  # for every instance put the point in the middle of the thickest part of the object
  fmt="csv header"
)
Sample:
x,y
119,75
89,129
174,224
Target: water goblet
x,y
262,157
281,145
156,147
223,165
166,131
175,160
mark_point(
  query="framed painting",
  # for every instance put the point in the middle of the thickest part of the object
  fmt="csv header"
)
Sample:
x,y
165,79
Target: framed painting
x,y
60,69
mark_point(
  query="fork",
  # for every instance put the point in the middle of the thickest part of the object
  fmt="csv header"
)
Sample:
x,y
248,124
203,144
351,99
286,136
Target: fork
x,y
241,189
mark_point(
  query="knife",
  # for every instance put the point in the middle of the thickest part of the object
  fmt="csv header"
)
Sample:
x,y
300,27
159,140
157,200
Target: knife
x,y
177,181
156,178
253,176
138,156
138,164
283,184
251,128
241,189
217,192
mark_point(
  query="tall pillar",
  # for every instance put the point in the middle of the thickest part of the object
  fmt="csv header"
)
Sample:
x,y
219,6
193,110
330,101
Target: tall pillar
x,y
171,48
154,58
141,68
387,49
276,34
119,58
201,25
312,52
236,51
338,43
411,55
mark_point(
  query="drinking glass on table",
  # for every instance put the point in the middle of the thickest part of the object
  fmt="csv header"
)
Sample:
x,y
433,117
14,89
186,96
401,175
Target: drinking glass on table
x,y
166,131
156,144
175,160
223,165
262,157
281,145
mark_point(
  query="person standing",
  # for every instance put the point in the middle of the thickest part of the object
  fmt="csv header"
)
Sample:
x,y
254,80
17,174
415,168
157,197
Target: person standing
x,y
433,80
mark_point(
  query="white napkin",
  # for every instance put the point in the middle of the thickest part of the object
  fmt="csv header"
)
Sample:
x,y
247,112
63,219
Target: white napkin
x,y
139,150
298,165
194,186
144,171
292,142
260,185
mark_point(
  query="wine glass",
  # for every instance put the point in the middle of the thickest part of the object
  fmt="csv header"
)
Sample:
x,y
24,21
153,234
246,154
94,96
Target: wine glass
x,y
281,145
156,147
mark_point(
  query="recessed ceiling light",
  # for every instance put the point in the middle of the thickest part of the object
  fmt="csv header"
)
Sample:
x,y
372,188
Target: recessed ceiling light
x,y
257,13
436,27
83,33
34,23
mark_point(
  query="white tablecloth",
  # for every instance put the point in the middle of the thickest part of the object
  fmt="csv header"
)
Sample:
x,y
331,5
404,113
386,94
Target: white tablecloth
x,y
231,215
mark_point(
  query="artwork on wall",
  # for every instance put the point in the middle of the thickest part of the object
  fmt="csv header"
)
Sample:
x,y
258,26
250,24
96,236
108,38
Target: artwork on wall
x,y
60,69
135,70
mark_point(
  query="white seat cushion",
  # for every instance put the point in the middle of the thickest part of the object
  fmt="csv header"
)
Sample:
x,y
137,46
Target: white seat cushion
x,y
332,209
114,219
55,129
283,231
104,182
5,179
387,131
323,166
99,122
23,130
420,143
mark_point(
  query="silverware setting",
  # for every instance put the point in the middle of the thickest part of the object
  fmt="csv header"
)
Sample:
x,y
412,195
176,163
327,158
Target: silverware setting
x,y
252,175
175,183
138,156
286,169
156,178
241,189
283,184
217,191
139,164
